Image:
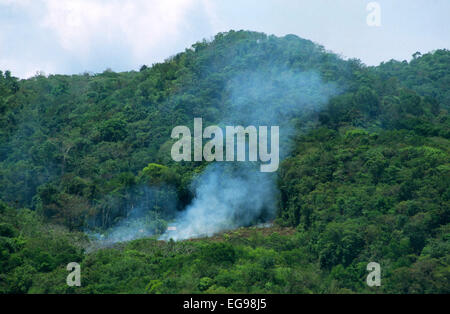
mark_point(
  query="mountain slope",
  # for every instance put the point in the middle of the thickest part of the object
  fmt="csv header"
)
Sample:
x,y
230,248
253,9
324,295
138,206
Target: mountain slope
x,y
366,178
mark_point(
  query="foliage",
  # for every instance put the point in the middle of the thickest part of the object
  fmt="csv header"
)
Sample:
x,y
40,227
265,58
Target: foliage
x,y
368,179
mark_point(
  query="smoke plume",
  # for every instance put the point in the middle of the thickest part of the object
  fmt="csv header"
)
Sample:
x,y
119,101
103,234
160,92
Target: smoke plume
x,y
230,195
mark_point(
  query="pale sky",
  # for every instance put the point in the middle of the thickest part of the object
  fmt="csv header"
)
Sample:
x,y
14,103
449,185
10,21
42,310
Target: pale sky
x,y
74,36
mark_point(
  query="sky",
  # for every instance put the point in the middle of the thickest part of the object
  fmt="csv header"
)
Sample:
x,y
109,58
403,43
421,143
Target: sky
x,y
77,36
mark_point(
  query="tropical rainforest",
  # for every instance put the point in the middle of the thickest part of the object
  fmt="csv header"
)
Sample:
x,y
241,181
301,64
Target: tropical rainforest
x,y
367,178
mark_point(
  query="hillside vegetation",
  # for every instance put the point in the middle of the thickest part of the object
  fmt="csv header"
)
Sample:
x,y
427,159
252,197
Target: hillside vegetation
x,y
367,180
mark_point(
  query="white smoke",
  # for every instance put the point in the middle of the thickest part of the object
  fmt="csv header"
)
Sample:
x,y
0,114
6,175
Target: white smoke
x,y
231,195
227,197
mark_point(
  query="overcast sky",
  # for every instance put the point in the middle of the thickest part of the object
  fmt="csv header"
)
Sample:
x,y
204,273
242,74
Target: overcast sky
x,y
74,36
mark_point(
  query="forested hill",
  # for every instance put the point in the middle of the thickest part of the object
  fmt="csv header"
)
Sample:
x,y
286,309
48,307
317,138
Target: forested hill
x,y
368,178
84,139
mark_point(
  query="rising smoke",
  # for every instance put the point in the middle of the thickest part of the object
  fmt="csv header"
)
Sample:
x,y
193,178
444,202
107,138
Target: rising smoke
x,y
231,195
228,196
